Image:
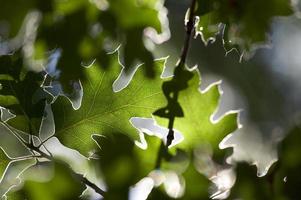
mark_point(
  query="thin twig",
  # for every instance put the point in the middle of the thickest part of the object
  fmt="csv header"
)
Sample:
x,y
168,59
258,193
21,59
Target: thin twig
x,y
189,30
25,157
190,26
79,176
90,184
44,141
36,149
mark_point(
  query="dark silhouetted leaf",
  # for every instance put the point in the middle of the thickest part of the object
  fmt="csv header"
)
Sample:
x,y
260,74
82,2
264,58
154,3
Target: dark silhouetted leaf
x,y
247,22
21,93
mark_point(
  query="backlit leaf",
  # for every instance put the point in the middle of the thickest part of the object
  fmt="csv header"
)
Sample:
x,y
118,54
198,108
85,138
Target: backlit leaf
x,y
104,111
197,124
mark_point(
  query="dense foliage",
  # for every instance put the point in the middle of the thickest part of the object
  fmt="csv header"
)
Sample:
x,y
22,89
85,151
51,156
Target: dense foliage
x,y
88,111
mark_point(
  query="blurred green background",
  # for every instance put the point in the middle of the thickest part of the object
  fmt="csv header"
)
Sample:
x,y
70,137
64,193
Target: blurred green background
x,y
266,88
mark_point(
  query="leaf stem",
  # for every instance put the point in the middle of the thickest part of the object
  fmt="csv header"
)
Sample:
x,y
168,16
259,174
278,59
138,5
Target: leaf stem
x,y
190,26
78,176
90,184
36,149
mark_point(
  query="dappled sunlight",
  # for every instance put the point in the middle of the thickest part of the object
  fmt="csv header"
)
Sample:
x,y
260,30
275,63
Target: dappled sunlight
x,y
150,99
251,147
150,127
222,177
141,190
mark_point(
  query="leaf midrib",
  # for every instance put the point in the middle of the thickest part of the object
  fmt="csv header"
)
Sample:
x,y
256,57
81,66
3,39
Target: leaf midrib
x,y
108,112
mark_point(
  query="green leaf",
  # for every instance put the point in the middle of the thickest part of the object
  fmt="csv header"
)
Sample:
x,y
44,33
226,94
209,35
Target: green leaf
x,y
20,9
103,111
11,177
126,165
56,183
144,14
196,187
103,27
176,161
21,93
198,108
4,161
247,22
208,27
118,163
